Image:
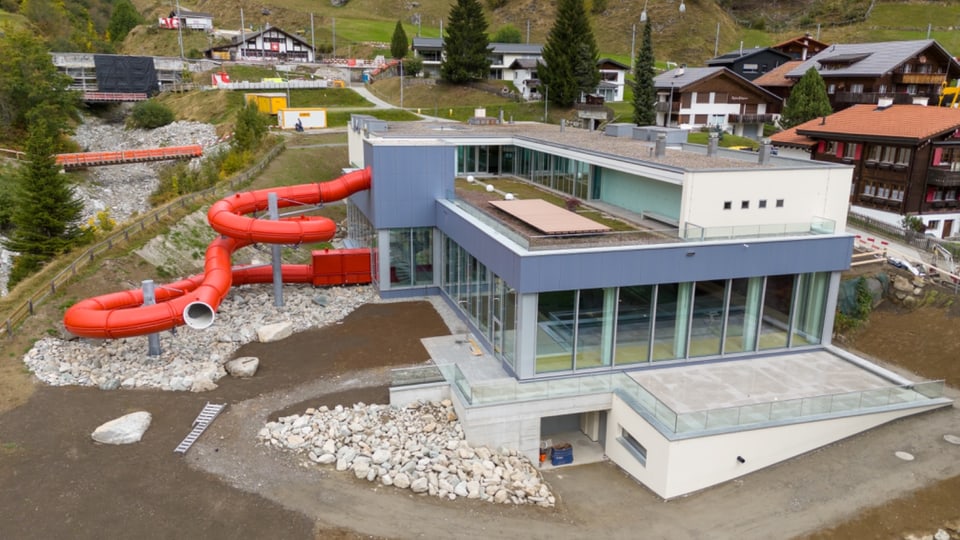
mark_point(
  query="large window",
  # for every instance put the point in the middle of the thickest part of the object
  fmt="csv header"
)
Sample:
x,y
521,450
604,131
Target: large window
x,y
555,331
706,327
595,323
777,298
811,307
671,322
743,315
633,324
411,257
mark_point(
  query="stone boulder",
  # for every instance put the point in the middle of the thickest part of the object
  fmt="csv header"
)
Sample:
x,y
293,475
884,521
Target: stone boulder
x,y
245,366
274,332
124,430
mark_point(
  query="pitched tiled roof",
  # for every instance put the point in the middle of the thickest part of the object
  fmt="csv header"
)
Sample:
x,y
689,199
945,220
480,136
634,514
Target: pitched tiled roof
x,y
799,41
877,58
915,122
501,48
777,75
789,137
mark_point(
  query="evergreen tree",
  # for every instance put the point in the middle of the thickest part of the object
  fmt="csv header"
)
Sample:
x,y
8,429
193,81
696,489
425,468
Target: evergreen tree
x,y
644,91
123,19
466,44
808,100
399,45
30,80
46,210
570,55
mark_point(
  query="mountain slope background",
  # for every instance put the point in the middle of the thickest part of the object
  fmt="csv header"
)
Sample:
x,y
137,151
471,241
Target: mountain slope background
x,y
360,27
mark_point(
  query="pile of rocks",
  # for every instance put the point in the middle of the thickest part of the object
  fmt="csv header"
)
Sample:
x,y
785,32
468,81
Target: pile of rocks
x,y
420,447
191,359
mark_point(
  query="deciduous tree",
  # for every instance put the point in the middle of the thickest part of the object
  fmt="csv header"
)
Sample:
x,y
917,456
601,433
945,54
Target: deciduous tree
x,y
466,44
570,55
808,100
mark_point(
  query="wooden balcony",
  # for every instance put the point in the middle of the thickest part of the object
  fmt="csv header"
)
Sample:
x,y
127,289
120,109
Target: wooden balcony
x,y
873,97
920,78
752,118
942,177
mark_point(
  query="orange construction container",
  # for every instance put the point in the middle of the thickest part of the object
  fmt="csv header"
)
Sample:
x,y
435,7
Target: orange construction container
x,y
341,267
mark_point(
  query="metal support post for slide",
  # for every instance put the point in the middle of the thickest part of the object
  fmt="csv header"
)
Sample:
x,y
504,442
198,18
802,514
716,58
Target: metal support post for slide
x,y
149,299
275,253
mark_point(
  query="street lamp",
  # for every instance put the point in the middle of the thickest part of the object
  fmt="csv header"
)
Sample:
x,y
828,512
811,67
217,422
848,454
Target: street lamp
x,y
643,14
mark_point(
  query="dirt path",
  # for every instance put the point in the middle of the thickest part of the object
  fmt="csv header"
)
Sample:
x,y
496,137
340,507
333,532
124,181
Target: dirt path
x,y
56,483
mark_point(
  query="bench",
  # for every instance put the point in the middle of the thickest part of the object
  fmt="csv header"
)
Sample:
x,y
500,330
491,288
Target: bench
x,y
666,220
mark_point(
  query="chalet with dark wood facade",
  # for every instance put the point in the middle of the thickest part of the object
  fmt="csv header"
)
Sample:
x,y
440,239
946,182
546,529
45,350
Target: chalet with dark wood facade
x,y
903,71
750,63
906,158
801,48
693,98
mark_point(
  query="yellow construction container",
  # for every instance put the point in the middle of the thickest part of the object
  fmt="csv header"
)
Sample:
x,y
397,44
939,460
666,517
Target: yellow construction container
x,y
267,103
308,118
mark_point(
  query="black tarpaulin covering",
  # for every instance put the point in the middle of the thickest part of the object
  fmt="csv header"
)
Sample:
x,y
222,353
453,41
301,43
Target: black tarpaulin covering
x,y
125,73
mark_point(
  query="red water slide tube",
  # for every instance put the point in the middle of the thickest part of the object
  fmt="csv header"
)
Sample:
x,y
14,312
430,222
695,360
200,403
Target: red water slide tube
x,y
122,314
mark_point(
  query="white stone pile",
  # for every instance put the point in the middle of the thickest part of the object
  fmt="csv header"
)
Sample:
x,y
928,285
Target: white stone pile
x,y
191,359
420,447
125,190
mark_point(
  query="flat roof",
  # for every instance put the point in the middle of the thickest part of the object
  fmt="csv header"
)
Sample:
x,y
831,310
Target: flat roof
x,y
548,218
781,377
683,157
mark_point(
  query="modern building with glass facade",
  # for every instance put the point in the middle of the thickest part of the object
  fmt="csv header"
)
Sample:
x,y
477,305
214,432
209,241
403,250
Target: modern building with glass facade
x,y
693,333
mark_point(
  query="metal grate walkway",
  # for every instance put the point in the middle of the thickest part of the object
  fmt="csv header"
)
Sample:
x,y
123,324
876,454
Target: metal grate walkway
x,y
206,416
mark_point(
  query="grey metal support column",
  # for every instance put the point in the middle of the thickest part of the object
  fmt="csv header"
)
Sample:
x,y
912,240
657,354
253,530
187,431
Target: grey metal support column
x,y
149,299
275,253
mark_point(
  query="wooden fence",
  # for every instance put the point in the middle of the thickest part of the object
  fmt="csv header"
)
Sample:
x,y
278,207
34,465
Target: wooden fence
x,y
122,237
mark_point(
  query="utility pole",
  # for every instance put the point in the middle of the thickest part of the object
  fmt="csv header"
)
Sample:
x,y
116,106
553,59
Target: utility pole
x,y
716,42
546,100
334,37
313,42
633,48
179,29
243,38
528,31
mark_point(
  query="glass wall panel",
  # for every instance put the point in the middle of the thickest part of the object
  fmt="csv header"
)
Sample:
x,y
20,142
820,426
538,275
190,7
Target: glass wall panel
x,y
555,331
470,159
422,239
493,160
583,180
671,320
595,323
706,326
472,294
507,154
777,299
743,315
510,326
811,308
483,299
633,325
482,154
401,260
524,155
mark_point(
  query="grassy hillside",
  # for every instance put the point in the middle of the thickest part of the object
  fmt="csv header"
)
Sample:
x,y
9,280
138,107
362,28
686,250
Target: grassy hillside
x,y
689,37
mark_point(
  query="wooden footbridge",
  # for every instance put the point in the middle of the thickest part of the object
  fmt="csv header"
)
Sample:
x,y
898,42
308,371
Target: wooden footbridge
x,y
81,160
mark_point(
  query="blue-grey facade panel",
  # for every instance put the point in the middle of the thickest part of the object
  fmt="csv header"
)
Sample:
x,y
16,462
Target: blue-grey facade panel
x,y
407,180
641,265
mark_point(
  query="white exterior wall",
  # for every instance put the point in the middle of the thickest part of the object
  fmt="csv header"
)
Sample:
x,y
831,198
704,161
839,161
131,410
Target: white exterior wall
x,y
620,81
309,118
806,192
517,424
682,467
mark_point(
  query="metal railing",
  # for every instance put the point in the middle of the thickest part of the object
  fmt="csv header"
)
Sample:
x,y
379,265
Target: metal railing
x,y
121,237
644,402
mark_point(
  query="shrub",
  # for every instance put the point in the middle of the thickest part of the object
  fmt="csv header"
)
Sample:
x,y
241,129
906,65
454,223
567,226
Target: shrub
x,y
149,115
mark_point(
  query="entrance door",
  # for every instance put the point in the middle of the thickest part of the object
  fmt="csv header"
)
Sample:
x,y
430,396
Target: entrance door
x,y
947,228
